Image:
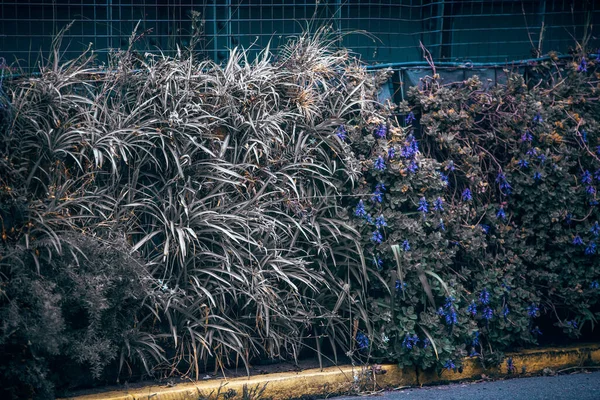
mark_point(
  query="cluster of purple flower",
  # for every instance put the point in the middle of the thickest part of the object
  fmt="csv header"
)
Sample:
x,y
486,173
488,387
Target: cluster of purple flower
x,y
526,136
362,340
501,214
400,286
377,237
438,204
466,195
381,131
449,312
533,310
472,308
586,177
341,132
379,164
487,313
449,365
537,119
377,196
523,163
577,241
405,245
484,297
423,206
537,176
409,118
591,248
594,285
380,222
410,341
505,187
410,149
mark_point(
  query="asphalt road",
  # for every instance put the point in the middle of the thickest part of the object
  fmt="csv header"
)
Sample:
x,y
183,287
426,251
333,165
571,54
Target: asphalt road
x,y
581,386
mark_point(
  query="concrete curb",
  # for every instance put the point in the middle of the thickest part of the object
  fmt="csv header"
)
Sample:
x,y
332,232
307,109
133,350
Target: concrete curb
x,y
346,379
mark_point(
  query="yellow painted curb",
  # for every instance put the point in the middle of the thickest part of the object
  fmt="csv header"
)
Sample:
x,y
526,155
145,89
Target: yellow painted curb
x,y
344,379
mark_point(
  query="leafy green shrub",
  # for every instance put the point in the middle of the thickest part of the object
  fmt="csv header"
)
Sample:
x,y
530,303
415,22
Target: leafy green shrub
x,y
479,209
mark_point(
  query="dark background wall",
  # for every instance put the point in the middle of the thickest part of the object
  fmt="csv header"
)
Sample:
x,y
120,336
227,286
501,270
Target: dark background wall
x,y
452,30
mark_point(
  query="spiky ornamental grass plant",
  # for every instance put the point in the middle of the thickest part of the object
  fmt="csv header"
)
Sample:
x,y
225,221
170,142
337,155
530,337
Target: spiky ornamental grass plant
x,y
223,184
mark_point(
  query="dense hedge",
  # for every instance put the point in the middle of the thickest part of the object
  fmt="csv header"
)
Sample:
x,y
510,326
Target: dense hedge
x,y
480,211
170,216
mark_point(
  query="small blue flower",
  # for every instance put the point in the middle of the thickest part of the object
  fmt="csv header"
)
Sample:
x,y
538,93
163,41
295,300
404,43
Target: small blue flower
x,y
487,313
582,65
475,341
405,245
400,285
441,225
423,206
594,285
526,136
537,176
412,167
503,183
591,248
380,186
597,175
438,204
381,131
598,150
362,340
409,118
450,166
410,341
472,308
466,195
449,365
532,152
572,324
590,190
584,136
506,287
341,132
577,241
369,219
473,352
523,163
537,119
586,177
449,312
485,228
568,219
484,297
377,196
542,158
595,229
533,310
391,153
380,222
377,237
444,179
360,210
380,164
378,263
426,343
501,214
505,311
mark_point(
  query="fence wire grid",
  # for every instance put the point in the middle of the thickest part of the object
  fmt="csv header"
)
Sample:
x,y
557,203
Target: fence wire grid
x,y
497,31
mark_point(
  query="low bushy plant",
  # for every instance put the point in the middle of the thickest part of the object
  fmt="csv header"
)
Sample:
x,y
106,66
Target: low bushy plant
x,y
479,209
